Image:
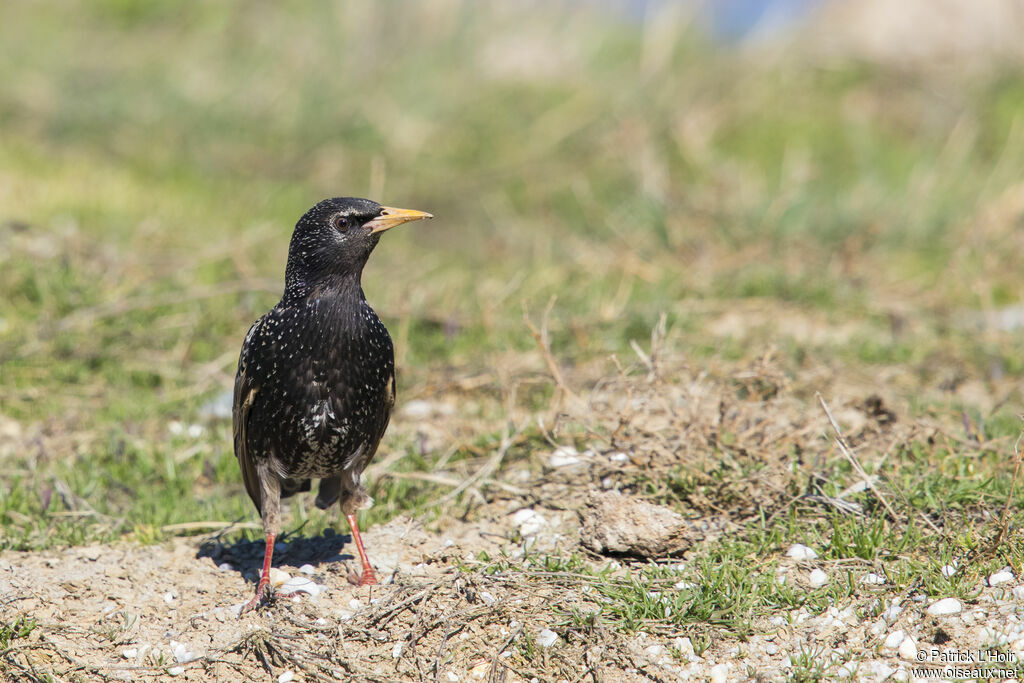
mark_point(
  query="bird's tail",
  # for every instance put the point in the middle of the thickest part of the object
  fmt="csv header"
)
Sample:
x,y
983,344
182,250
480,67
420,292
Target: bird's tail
x,y
330,490
289,487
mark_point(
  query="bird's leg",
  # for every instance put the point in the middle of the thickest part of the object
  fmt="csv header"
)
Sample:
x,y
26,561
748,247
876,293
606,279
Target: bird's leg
x,y
270,511
268,555
368,578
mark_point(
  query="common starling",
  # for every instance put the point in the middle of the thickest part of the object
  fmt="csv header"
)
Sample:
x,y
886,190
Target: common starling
x,y
316,376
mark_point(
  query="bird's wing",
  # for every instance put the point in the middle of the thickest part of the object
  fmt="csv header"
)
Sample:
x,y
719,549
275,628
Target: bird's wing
x,y
245,396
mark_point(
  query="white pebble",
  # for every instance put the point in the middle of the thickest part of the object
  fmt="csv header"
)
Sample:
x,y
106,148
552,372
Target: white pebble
x,y
798,551
948,569
321,621
945,606
654,651
529,522
307,569
547,638
999,577
487,597
181,653
1018,592
684,645
176,670
287,677
452,677
225,567
564,456
396,651
618,457
300,584
130,653
236,610
873,579
278,577
719,673
170,597
817,578
893,640
908,649
880,669
683,585
892,612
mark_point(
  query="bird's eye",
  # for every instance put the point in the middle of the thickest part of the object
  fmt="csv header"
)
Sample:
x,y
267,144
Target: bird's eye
x,y
342,223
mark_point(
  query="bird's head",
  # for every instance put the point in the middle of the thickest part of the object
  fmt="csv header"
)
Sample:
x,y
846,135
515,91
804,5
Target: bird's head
x,y
333,240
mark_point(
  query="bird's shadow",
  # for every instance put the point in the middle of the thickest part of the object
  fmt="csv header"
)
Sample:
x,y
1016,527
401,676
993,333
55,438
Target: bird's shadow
x,y
246,557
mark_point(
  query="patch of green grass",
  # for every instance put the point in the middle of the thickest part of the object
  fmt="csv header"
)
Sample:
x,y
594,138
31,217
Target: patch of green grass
x,y
19,628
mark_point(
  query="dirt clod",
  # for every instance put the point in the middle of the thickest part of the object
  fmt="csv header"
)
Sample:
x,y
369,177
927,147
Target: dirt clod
x,y
613,524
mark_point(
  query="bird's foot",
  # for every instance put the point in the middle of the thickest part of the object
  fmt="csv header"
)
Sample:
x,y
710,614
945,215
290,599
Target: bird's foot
x,y
252,604
367,579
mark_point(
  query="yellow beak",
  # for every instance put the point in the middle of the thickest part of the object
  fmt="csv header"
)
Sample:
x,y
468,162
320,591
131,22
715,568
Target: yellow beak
x,y
390,217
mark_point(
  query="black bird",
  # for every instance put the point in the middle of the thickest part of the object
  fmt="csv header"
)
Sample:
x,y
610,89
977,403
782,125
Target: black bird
x,y
316,376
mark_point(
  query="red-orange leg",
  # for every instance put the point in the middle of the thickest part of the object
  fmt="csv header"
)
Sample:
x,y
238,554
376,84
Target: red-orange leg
x,y
368,578
268,555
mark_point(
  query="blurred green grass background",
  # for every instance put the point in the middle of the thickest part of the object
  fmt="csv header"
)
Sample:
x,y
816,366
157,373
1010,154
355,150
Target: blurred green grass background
x,y
155,156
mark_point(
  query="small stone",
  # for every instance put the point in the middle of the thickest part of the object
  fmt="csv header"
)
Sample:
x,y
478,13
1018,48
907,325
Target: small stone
x,y
287,677
170,597
618,457
945,606
683,585
892,612
654,651
908,649
684,645
176,670
999,577
719,673
948,569
396,651
307,569
872,579
880,669
529,522
487,597
798,551
300,584
817,578
771,649
1018,592
181,653
278,577
480,671
547,638
893,640
130,653
564,456
225,567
